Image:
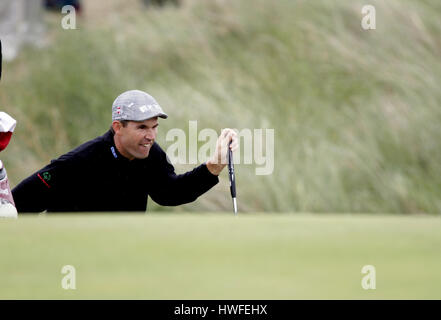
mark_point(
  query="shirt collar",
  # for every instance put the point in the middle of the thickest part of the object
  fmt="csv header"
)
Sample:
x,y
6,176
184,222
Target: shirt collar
x,y
113,151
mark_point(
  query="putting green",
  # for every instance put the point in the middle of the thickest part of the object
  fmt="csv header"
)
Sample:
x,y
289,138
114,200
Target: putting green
x,y
207,256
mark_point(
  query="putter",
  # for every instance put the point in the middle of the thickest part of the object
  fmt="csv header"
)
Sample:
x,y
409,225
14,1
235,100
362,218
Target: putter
x,y
232,178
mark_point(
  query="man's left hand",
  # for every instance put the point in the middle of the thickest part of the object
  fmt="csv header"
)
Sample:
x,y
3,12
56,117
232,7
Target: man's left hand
x,y
220,158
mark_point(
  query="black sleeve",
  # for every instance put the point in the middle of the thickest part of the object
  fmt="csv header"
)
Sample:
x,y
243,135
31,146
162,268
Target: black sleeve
x,y
31,195
170,189
38,192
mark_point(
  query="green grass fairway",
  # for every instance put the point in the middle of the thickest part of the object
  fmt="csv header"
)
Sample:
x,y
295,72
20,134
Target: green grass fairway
x,y
186,256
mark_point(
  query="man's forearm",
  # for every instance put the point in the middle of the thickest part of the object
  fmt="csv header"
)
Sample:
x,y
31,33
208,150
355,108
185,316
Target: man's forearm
x,y
175,189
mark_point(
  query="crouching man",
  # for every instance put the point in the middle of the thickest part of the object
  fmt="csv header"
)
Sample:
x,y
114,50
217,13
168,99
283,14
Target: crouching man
x,y
120,169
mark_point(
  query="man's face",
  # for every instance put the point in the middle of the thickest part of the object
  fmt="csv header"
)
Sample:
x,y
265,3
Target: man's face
x,y
136,138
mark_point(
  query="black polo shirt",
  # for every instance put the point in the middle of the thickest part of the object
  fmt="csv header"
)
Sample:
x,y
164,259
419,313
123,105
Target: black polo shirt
x,y
96,177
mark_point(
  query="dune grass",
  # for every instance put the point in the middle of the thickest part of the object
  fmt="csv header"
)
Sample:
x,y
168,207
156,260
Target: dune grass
x,y
356,113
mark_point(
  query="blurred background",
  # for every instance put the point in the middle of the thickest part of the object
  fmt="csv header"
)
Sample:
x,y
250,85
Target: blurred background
x,y
356,113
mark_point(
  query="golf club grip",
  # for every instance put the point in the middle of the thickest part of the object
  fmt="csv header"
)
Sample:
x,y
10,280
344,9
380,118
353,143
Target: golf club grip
x,y
231,173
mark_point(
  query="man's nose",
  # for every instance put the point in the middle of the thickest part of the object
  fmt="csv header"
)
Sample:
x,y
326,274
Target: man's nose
x,y
150,135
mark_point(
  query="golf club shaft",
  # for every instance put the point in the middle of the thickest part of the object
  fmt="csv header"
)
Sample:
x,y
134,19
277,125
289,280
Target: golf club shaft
x,y
232,178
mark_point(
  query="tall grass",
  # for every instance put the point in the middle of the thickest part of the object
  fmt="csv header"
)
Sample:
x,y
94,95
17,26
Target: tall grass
x,y
356,113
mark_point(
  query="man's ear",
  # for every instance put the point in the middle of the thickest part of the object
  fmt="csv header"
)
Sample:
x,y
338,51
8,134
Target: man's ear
x,y
116,125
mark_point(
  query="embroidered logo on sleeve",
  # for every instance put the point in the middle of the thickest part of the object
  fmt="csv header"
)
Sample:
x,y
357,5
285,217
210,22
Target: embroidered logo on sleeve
x,y
45,177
